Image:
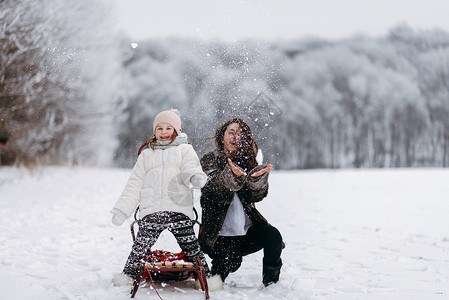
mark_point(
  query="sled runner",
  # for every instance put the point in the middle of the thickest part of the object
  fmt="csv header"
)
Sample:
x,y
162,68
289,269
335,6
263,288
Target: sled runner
x,y
167,266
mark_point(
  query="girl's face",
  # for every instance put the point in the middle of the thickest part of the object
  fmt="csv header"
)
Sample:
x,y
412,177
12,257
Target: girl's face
x,y
164,132
231,138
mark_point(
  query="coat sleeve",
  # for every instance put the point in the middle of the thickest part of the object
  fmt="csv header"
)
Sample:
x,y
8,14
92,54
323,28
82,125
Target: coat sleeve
x,y
256,188
220,180
130,196
190,165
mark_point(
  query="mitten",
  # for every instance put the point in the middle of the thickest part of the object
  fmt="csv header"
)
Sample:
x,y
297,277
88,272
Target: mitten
x,y
118,218
198,181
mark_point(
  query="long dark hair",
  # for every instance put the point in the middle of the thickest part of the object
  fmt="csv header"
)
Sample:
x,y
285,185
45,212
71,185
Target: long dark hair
x,y
245,156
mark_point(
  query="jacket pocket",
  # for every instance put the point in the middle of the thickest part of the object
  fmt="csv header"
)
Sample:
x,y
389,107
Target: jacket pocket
x,y
178,192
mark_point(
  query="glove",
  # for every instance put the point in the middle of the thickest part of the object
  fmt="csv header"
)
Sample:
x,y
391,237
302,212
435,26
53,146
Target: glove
x,y
198,181
118,218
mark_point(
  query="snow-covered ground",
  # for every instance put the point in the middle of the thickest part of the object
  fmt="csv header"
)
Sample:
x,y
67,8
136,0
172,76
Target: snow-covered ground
x,y
350,234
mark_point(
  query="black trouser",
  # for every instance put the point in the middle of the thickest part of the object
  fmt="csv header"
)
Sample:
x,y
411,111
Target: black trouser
x,y
228,250
150,229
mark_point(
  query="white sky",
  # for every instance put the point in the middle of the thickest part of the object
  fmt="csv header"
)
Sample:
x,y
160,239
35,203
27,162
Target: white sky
x,y
272,19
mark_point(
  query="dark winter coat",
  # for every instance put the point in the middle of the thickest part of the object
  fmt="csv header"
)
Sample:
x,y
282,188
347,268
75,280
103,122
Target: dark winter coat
x,y
3,134
218,193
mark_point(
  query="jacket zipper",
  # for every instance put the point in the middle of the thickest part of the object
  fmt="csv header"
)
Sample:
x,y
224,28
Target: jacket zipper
x,y
162,181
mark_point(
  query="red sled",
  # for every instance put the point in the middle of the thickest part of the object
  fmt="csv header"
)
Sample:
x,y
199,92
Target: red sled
x,y
163,266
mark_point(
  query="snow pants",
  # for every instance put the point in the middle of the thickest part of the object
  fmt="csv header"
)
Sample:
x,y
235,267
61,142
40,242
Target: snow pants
x,y
151,228
228,250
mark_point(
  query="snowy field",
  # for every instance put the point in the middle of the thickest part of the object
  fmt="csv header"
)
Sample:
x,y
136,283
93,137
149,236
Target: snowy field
x,y
350,234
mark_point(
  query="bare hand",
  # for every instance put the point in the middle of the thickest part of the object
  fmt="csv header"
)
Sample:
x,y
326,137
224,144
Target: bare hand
x,y
237,172
263,171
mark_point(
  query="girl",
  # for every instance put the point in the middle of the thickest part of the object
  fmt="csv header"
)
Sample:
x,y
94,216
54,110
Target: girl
x,y
159,184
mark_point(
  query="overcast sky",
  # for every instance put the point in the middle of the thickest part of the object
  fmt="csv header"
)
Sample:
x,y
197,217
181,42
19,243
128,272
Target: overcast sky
x,y
233,20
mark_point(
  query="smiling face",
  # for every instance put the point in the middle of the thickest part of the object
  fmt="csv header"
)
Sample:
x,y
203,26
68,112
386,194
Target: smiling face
x,y
164,132
231,138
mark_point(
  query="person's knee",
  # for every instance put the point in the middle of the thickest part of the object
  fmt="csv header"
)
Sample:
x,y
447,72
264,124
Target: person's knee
x,y
235,264
273,234
226,265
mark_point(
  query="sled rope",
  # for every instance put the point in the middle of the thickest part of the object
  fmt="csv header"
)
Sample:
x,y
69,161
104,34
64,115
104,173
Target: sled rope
x,y
155,289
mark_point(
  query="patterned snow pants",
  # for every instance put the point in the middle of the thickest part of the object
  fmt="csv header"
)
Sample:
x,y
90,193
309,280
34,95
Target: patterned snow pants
x,y
150,229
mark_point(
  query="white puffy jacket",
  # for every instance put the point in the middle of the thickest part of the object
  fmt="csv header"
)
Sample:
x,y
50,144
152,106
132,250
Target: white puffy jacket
x,y
160,181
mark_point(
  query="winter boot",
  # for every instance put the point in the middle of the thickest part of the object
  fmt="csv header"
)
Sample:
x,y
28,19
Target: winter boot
x,y
271,274
214,283
121,279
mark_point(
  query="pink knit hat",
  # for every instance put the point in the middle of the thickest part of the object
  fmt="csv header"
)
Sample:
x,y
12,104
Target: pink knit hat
x,y
168,116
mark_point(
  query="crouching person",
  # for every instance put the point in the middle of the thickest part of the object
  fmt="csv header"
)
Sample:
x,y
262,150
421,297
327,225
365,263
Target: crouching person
x,y
232,227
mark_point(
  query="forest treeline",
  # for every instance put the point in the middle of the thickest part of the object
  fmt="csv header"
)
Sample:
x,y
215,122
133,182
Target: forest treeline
x,y
312,103
80,95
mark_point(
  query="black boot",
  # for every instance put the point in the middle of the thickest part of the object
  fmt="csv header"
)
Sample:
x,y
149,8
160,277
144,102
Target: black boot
x,y
271,274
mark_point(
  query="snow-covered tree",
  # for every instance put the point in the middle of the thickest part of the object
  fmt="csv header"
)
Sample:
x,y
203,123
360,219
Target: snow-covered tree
x,y
58,81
